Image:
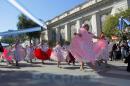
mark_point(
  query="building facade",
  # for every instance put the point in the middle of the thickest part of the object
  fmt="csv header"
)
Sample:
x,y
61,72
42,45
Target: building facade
x,y
92,12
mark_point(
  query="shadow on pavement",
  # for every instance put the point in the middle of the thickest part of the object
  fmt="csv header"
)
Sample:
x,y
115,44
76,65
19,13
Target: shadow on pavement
x,y
49,63
35,78
115,72
21,65
25,78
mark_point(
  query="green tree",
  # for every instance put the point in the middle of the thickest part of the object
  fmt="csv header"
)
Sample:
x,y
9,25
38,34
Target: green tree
x,y
111,22
25,23
8,40
109,27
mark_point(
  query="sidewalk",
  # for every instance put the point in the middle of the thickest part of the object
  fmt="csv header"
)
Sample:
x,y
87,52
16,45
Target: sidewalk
x,y
49,75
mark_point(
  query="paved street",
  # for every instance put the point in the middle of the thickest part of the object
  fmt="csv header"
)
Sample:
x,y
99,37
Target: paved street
x,y
48,74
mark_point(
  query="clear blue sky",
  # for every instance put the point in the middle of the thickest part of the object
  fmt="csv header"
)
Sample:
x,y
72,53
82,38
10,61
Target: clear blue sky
x,y
42,9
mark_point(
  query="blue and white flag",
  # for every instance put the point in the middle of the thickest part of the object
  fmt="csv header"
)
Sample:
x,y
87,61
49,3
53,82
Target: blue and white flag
x,y
121,24
126,21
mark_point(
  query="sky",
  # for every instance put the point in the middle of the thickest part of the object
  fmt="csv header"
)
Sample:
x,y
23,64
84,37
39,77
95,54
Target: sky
x,y
41,9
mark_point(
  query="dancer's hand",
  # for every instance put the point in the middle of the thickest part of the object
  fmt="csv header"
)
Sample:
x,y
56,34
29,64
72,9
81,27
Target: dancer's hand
x,y
79,35
75,33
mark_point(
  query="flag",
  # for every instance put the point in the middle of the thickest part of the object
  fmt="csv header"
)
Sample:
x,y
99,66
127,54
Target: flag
x,y
126,21
121,24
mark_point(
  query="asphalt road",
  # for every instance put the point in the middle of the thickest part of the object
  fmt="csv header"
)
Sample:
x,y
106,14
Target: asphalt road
x,y
38,74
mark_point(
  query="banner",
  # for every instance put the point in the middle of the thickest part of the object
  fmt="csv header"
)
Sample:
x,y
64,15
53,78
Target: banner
x,y
126,21
122,22
21,31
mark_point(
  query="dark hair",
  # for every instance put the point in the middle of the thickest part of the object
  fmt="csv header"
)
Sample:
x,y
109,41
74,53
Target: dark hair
x,y
102,35
86,26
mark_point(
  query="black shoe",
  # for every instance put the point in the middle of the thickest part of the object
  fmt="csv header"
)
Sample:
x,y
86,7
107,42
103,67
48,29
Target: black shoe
x,y
17,64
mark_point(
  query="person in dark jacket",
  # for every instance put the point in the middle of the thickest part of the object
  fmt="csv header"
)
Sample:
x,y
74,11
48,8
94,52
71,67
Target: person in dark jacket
x,y
71,59
114,52
128,61
1,48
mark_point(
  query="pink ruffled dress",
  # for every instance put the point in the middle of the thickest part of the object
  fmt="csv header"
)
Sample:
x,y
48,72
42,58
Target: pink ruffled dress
x,y
82,47
101,49
19,53
7,55
58,54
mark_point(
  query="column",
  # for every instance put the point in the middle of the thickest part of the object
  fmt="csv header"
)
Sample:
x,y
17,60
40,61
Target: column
x,y
44,35
77,25
96,24
57,34
41,36
66,32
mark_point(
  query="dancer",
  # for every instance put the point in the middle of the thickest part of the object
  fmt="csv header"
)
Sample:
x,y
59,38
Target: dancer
x,y
29,51
7,56
58,54
42,53
19,52
69,57
84,51
101,49
44,47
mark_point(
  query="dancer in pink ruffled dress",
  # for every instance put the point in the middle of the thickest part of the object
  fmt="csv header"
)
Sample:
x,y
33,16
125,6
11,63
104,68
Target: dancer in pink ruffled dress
x,y
19,52
82,46
29,53
58,54
101,49
7,56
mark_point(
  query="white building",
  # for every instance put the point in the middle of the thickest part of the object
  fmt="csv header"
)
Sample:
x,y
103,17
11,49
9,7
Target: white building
x,y
92,12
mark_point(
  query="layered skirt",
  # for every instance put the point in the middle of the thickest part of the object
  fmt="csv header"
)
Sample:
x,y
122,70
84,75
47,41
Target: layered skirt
x,y
39,54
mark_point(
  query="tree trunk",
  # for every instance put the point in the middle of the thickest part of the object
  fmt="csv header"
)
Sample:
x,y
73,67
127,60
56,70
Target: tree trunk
x,y
30,38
